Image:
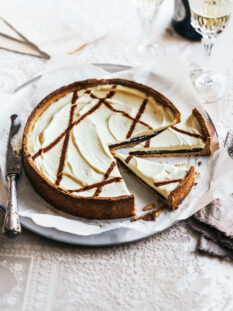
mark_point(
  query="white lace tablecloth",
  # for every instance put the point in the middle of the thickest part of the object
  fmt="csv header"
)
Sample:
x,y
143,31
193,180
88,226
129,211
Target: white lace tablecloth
x,y
160,273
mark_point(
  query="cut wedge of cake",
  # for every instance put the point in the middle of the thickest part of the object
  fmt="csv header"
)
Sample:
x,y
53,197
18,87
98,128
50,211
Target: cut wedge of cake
x,y
189,138
171,183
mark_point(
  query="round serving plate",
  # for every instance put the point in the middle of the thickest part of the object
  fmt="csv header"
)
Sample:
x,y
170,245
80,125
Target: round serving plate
x,y
109,238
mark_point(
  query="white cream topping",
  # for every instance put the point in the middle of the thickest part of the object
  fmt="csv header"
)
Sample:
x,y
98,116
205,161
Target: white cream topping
x,y
119,126
88,156
152,172
170,139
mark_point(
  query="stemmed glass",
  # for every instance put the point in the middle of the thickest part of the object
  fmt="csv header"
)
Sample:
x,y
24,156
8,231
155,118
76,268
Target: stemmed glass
x,y
209,18
147,11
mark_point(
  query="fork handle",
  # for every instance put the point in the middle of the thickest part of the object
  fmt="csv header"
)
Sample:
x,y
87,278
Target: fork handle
x,y
11,225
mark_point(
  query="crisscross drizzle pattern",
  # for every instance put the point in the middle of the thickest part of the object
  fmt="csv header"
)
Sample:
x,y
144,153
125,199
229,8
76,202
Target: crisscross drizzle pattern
x,y
187,133
128,159
66,140
166,182
105,178
147,143
97,185
66,135
138,116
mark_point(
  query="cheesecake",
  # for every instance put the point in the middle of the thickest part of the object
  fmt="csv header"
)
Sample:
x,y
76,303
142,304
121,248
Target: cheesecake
x,y
188,138
171,183
69,138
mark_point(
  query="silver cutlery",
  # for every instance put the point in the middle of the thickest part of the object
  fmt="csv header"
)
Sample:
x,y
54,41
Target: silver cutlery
x,y
11,225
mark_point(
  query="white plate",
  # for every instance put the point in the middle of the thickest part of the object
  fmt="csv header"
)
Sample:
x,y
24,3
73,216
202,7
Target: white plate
x,y
109,238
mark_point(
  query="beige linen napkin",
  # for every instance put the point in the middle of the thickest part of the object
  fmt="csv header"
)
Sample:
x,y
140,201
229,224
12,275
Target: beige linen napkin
x,y
52,26
214,223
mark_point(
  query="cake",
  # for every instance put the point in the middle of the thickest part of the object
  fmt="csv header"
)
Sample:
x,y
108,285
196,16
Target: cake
x,y
69,136
171,183
189,138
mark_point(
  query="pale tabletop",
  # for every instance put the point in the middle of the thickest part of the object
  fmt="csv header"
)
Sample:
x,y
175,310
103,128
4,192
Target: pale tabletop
x,y
159,273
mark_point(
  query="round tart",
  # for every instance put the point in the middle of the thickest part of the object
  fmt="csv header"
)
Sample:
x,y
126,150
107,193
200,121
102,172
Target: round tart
x,y
69,136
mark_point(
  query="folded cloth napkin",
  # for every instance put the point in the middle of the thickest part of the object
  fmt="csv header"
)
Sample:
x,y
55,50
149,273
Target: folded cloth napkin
x,y
51,26
214,222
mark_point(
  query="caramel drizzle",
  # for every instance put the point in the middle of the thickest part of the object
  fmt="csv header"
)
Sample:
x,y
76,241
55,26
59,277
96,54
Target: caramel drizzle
x,y
128,159
187,133
69,128
93,109
66,140
125,114
147,143
162,183
71,124
138,116
106,176
98,184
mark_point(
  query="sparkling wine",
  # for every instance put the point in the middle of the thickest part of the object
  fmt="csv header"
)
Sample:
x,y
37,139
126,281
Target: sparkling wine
x,y
210,17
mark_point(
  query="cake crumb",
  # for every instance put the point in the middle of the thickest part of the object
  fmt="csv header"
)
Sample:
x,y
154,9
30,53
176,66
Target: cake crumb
x,y
199,163
149,216
195,184
181,164
148,207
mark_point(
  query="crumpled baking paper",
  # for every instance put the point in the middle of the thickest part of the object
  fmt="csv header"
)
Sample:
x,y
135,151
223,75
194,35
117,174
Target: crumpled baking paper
x,y
170,78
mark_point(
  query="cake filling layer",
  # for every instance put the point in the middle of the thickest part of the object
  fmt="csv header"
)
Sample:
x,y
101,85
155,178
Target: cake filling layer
x,y
166,151
163,178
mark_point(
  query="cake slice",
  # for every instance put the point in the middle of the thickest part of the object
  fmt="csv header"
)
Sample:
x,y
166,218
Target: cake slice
x,y
171,183
187,138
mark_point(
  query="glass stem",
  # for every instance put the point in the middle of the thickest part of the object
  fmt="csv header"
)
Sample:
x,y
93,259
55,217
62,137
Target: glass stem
x,y
208,43
147,25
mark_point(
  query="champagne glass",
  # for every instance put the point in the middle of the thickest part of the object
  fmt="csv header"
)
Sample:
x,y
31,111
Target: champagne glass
x,y
147,11
209,18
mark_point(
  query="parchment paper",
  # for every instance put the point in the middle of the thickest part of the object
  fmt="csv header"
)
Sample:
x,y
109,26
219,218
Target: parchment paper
x,y
170,78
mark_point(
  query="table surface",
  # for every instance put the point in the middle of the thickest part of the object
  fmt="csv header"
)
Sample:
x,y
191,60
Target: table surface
x,y
160,273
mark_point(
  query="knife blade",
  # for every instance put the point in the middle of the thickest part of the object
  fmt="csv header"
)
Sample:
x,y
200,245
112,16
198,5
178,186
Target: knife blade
x,y
11,225
14,154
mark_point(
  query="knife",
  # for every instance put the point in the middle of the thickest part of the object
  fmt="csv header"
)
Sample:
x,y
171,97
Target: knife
x,y
11,225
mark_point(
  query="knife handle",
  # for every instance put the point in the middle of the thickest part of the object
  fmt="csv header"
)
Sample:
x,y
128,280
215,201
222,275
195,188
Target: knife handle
x,y
11,226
